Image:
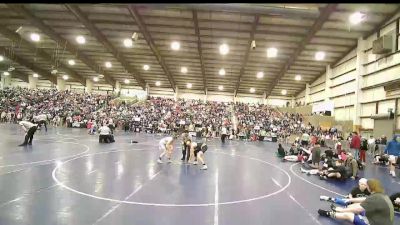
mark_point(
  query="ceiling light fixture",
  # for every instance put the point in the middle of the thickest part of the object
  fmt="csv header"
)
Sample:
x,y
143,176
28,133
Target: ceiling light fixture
x,y
35,37
357,18
189,85
146,67
298,77
260,75
220,87
126,81
222,72
108,64
158,83
65,77
223,49
81,40
272,52
6,73
175,45
35,75
319,56
95,79
1,58
184,70
252,90
128,43
283,92
71,62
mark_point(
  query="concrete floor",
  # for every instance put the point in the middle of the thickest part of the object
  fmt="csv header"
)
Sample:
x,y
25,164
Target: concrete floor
x,y
67,177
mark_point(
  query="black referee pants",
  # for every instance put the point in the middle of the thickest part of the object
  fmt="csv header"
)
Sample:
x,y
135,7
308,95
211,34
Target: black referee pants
x,y
29,135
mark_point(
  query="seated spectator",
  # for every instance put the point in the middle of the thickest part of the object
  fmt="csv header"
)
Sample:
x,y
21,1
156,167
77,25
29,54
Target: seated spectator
x,y
358,194
105,134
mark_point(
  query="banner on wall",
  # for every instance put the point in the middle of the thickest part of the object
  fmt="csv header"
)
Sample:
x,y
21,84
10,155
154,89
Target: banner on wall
x,y
323,106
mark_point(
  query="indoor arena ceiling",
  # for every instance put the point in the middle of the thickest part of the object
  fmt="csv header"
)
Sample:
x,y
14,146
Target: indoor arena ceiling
x,y
297,31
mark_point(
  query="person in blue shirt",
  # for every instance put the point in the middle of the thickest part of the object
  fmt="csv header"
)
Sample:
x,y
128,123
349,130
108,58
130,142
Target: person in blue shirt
x,y
393,150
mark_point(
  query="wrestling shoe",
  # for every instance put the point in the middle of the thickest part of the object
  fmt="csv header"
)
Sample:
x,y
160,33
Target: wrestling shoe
x,y
159,161
22,145
204,167
325,198
333,207
324,213
195,163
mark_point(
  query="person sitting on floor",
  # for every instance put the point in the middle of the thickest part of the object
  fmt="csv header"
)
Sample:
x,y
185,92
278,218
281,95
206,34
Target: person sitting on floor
x,y
281,151
105,134
376,209
358,194
395,198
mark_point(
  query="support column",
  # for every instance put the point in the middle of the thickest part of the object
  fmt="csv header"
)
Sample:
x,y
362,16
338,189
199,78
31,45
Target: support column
x,y
307,96
117,89
292,102
147,90
5,81
32,82
205,96
328,82
89,86
176,94
361,59
60,84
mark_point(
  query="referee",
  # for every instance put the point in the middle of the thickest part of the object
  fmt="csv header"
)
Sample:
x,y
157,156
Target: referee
x,y
30,129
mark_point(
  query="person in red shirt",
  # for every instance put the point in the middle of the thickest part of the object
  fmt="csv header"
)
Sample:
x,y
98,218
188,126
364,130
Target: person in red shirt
x,y
355,145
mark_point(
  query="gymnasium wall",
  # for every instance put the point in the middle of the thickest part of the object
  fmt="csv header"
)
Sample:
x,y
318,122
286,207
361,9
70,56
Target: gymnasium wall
x,y
339,83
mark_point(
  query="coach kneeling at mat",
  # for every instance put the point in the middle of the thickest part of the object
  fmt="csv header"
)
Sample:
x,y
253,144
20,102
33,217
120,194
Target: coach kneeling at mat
x,y
105,135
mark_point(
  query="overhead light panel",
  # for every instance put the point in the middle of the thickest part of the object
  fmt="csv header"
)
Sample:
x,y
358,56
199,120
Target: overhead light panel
x,y
35,37
357,18
283,92
135,36
220,87
1,58
252,90
158,83
108,64
222,72
6,73
126,81
260,75
146,67
11,68
297,77
95,79
71,62
272,52
223,49
319,56
65,77
175,45
81,39
184,69
35,75
189,85
128,43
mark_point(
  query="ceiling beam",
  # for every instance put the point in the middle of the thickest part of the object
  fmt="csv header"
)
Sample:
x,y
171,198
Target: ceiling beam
x,y
30,65
246,56
16,74
243,9
15,37
319,22
199,48
142,27
74,9
377,28
20,9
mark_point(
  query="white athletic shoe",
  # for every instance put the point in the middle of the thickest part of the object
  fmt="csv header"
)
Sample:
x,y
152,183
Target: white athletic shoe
x,y
393,174
204,167
159,161
195,163
323,198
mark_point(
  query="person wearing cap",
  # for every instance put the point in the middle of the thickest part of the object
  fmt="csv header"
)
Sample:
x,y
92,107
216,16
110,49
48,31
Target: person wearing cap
x,y
358,194
376,209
